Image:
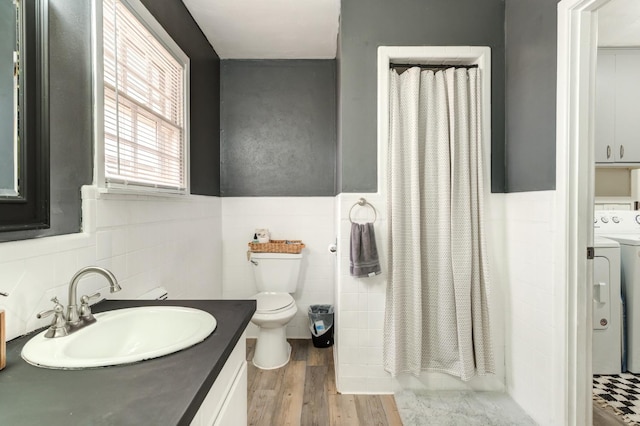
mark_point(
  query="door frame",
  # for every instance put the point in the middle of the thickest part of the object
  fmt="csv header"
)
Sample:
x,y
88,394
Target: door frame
x,y
577,49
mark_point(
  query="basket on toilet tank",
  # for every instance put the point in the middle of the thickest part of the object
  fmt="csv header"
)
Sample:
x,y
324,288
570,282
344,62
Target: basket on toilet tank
x,y
277,246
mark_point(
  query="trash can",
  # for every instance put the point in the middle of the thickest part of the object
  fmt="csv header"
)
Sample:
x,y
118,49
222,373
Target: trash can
x,y
321,325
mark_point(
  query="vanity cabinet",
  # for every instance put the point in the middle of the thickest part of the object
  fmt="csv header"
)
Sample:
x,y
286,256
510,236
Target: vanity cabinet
x,y
205,384
617,115
226,401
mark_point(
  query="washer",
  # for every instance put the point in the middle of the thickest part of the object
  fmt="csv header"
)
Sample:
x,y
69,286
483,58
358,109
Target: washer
x,y
607,308
624,227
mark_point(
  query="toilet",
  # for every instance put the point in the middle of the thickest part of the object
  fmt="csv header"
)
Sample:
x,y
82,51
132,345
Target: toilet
x,y
276,276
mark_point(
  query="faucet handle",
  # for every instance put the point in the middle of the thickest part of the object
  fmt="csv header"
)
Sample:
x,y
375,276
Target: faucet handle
x,y
57,309
86,299
45,314
59,325
85,309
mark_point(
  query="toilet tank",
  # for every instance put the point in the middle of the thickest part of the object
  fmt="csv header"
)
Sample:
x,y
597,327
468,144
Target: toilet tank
x,y
277,272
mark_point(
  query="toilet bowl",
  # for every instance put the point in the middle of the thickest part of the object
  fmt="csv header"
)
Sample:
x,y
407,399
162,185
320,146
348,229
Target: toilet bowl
x,y
274,311
276,277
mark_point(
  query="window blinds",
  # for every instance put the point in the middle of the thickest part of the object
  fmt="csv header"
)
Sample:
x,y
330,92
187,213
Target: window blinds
x,y
144,135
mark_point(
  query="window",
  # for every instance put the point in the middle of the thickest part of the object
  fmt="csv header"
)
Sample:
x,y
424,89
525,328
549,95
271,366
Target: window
x,y
145,109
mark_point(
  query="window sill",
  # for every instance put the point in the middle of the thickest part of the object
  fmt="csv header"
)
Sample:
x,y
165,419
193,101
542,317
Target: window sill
x,y
138,193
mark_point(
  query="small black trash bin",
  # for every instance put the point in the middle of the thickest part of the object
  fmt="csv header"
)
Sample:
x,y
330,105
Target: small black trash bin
x,y
321,325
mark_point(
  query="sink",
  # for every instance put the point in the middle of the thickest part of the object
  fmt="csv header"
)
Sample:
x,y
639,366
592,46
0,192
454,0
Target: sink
x,y
122,336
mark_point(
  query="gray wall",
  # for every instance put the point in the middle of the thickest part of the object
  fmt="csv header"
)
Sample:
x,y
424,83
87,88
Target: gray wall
x,y
367,24
71,118
7,45
278,127
338,164
205,92
531,38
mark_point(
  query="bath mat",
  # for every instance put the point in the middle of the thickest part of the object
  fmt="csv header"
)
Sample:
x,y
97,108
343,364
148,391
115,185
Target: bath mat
x,y
621,392
455,408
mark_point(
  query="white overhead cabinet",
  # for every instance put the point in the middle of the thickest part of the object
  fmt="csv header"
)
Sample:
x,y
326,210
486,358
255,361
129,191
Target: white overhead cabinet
x,y
617,108
605,107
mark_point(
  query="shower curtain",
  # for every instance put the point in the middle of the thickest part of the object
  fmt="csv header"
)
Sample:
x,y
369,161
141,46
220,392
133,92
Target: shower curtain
x,y
436,317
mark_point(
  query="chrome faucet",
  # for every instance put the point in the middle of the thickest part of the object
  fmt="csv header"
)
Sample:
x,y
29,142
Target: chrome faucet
x,y
74,315
65,323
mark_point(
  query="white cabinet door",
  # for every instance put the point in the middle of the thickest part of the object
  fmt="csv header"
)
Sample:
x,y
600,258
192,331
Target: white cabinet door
x,y
605,107
229,389
234,409
627,111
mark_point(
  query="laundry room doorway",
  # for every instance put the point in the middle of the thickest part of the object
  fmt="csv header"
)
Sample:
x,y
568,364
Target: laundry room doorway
x,y
616,303
575,178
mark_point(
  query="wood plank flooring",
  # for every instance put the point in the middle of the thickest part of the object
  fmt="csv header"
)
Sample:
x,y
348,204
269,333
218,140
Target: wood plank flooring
x,y
304,393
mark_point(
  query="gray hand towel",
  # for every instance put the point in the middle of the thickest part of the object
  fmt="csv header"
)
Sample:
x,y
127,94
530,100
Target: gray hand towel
x,y
363,255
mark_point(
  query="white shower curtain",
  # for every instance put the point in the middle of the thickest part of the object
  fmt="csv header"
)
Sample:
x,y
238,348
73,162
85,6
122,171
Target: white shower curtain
x,y
436,317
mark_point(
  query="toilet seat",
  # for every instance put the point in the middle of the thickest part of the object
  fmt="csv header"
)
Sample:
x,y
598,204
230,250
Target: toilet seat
x,y
271,302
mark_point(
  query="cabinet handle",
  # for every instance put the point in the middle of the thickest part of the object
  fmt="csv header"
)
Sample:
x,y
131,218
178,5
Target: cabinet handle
x,y
621,151
608,151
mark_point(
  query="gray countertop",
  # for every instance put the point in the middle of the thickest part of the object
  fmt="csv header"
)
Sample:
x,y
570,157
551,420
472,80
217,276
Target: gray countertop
x,y
162,391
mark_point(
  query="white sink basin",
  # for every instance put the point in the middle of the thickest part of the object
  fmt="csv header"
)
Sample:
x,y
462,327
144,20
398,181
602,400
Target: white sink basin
x,y
122,336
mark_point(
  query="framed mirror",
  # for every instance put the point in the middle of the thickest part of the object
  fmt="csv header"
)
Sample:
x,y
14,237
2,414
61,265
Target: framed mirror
x,y
10,29
24,115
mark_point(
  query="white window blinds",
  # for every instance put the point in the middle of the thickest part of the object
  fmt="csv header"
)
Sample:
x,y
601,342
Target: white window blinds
x,y
144,131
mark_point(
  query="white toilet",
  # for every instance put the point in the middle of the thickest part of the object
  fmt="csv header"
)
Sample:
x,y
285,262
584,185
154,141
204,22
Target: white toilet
x,y
276,277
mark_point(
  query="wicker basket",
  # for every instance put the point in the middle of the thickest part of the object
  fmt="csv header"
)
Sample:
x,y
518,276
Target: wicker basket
x,y
277,246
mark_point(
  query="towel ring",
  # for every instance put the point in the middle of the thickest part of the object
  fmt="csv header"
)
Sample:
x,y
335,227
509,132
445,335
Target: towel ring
x,y
362,202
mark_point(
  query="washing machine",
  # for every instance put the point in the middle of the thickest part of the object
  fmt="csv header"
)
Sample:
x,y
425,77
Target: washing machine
x,y
607,308
623,226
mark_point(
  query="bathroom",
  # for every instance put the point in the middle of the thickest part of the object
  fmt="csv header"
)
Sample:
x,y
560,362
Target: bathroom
x,y
195,246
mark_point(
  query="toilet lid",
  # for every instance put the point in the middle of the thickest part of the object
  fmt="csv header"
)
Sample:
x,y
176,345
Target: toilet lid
x,y
268,301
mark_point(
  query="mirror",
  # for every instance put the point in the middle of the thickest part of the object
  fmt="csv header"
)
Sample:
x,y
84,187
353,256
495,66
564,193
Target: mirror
x,y
10,29
24,123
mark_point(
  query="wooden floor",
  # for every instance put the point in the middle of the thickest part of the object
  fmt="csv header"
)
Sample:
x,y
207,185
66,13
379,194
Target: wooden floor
x,y
304,393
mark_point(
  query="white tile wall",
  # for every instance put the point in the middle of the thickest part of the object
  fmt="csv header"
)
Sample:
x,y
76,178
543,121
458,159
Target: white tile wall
x,y
361,303
529,229
196,248
145,241
309,219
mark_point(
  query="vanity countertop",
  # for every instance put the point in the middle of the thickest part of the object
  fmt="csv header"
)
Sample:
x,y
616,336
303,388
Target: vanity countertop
x,y
162,391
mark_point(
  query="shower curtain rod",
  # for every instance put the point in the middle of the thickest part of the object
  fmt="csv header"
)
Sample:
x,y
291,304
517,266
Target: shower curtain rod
x,y
427,66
